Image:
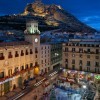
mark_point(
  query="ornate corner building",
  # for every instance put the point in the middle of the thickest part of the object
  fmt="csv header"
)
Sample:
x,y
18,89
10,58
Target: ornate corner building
x,y
82,55
24,60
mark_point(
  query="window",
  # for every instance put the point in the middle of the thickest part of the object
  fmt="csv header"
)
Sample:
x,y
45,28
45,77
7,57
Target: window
x,y
80,50
9,55
95,70
16,54
88,56
88,50
16,70
66,44
26,52
80,62
96,64
26,67
96,57
66,54
35,56
36,64
10,72
31,52
42,61
73,49
66,49
31,65
80,55
88,69
73,55
73,67
45,60
48,68
66,66
84,45
1,56
2,75
73,61
88,63
80,44
22,53
97,51
22,68
36,51
66,60
80,68
41,48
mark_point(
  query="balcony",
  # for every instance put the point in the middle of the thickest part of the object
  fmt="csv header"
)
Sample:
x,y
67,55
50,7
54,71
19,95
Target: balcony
x,y
82,52
31,52
22,54
16,73
36,51
26,53
4,78
10,56
97,66
16,55
2,58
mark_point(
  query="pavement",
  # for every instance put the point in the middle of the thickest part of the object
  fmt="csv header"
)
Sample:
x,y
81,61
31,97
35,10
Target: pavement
x,y
18,91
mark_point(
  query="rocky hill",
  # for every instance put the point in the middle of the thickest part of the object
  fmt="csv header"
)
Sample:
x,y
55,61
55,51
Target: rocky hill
x,y
56,16
49,17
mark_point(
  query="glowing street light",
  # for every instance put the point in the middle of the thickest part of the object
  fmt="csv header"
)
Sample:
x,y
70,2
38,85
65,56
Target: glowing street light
x,y
84,86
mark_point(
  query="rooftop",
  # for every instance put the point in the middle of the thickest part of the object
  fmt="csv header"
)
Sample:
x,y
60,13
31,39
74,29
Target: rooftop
x,y
3,44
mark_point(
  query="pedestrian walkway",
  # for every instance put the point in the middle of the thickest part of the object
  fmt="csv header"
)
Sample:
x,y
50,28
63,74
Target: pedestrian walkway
x,y
31,83
10,94
18,90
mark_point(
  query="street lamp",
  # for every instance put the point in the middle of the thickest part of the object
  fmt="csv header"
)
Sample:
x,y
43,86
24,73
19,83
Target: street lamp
x,y
84,86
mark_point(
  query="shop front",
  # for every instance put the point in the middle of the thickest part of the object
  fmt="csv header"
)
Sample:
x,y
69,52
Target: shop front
x,y
6,87
36,71
20,82
72,74
1,89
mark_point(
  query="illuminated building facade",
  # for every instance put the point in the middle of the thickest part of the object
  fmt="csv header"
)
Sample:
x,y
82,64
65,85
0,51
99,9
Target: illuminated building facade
x,y
82,55
45,58
19,61
24,60
56,55
17,65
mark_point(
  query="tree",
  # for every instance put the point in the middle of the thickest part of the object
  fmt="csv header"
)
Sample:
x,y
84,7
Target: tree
x,y
52,95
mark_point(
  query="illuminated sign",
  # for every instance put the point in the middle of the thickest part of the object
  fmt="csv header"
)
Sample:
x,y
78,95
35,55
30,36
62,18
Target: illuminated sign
x,y
9,79
97,77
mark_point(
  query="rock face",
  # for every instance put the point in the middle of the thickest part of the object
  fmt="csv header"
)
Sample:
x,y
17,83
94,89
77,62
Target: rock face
x,y
56,16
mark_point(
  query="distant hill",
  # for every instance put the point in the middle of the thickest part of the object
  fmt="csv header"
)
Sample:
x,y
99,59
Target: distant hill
x,y
49,17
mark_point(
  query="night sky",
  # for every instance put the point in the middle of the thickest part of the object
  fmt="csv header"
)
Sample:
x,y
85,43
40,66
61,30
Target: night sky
x,y
88,11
